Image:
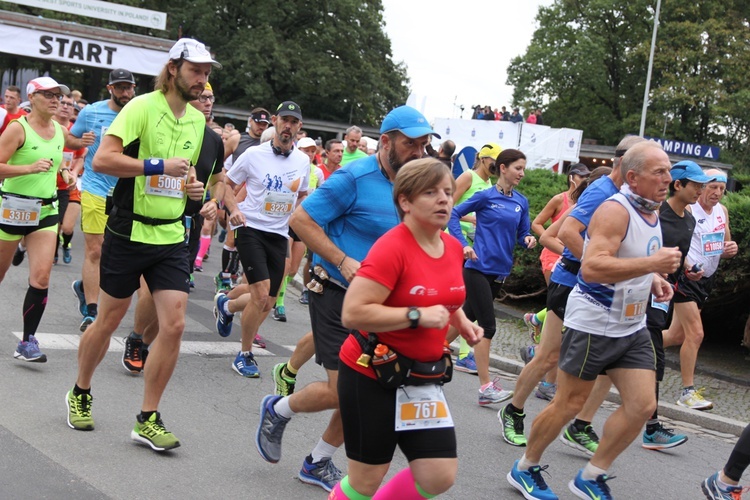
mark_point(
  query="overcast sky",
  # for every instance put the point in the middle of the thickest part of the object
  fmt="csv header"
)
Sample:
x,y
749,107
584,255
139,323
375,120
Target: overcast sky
x,y
457,52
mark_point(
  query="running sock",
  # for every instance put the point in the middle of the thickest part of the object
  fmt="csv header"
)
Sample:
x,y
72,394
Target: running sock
x,y
282,291
145,415
225,257
463,348
282,408
402,486
591,472
21,247
77,391
344,491
724,486
203,245
234,261
289,371
91,309
652,425
687,389
225,309
33,308
541,316
322,450
66,240
580,424
513,409
135,336
525,463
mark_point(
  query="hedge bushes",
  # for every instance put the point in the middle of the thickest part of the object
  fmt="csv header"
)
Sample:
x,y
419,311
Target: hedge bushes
x,y
726,311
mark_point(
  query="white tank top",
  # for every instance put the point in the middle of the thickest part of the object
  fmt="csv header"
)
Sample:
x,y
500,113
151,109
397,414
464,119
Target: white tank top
x,y
707,244
617,309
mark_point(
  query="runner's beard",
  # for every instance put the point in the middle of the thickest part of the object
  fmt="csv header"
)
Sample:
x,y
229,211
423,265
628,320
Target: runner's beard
x,y
182,88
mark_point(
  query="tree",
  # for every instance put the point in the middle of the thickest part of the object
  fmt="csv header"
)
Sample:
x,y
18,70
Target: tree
x,y
333,58
588,61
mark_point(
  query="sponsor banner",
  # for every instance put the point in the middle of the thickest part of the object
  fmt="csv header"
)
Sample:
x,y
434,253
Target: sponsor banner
x,y
25,42
102,10
688,148
477,133
570,144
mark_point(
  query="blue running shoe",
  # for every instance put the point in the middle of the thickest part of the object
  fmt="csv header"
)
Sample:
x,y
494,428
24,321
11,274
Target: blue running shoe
x,y
270,430
29,351
530,482
77,287
87,320
223,320
467,364
527,353
222,235
662,438
323,473
592,490
713,491
67,257
246,365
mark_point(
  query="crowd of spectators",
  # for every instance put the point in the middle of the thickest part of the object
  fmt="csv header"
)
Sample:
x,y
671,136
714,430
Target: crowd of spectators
x,y
503,115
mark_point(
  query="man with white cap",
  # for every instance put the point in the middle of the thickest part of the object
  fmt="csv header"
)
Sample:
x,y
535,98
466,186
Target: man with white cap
x,y
150,146
339,223
31,153
712,241
95,187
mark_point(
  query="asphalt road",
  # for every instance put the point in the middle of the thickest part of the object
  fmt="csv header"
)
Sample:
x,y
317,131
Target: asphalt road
x,y
214,412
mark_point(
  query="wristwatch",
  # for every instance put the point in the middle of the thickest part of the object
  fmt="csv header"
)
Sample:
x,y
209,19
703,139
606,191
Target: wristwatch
x,y
413,315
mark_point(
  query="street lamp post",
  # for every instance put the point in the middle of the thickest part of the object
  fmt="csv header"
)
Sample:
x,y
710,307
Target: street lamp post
x,y
650,67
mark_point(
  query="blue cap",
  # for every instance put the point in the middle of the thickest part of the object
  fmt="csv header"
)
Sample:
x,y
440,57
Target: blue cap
x,y
408,121
689,170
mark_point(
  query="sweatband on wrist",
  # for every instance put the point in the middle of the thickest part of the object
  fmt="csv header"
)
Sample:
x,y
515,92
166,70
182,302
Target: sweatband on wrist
x,y
153,166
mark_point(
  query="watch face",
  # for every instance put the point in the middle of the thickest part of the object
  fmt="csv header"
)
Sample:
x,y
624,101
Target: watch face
x,y
413,314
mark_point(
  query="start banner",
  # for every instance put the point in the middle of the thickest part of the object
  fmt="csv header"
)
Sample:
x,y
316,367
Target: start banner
x,y
71,49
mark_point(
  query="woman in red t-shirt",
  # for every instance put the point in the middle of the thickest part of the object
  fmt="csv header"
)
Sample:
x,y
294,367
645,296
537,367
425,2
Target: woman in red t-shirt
x,y
398,294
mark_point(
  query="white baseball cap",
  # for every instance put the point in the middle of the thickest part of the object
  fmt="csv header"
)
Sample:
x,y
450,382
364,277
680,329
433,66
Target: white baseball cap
x,y
305,142
193,51
45,83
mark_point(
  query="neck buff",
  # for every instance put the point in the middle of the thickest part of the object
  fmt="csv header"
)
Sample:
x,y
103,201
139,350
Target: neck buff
x,y
639,203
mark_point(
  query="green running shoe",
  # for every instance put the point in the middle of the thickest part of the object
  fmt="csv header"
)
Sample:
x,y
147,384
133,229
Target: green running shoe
x,y
586,440
79,411
512,427
153,433
284,386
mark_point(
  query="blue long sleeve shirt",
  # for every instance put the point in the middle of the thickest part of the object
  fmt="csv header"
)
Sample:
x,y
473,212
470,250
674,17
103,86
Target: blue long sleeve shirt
x,y
502,221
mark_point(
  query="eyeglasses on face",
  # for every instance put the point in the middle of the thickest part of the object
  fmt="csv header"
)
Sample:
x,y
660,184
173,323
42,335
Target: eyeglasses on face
x,y
50,95
204,98
66,103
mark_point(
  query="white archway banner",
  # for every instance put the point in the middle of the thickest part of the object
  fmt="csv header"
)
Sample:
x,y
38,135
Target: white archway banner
x,y
81,51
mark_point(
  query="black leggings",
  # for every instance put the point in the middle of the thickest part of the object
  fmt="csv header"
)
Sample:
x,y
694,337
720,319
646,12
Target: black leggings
x,y
481,290
740,457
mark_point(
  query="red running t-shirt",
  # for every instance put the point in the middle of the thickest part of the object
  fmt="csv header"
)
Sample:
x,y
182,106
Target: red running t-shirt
x,y
415,279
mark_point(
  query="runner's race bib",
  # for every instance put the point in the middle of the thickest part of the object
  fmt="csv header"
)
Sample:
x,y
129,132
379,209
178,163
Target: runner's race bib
x,y
713,243
20,211
165,185
634,303
278,204
422,407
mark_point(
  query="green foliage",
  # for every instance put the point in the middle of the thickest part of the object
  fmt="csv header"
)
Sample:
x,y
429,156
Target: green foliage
x,y
587,64
332,57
